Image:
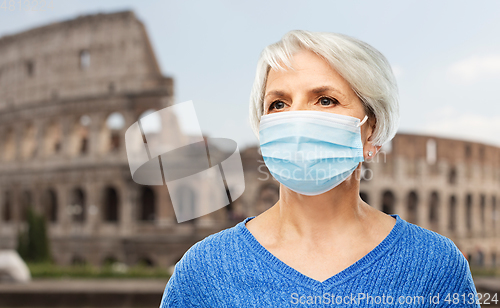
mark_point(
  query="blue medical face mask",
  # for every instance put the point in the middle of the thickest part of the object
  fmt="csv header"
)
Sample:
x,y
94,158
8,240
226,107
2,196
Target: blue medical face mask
x,y
309,151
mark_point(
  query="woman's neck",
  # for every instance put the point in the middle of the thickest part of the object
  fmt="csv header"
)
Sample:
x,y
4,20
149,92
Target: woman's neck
x,y
324,217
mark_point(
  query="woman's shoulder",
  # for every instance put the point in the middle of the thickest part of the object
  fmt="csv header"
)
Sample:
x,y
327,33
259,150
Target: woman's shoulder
x,y
204,267
442,262
215,249
432,246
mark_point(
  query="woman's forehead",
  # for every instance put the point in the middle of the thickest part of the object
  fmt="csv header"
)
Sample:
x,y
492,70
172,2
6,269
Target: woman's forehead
x,y
309,72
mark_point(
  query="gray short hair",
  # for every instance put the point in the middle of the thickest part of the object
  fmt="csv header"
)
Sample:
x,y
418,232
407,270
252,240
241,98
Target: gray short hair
x,y
366,70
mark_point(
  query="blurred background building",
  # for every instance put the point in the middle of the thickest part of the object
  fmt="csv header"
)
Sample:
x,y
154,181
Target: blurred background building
x,y
68,92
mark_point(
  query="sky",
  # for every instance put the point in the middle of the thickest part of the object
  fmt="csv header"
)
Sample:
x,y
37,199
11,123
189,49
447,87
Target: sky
x,y
445,54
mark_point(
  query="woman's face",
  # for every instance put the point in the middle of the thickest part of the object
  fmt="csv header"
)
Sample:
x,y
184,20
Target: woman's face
x,y
314,85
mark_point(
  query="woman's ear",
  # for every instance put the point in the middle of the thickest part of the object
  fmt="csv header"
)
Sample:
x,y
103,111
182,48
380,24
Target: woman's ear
x,y
369,150
371,125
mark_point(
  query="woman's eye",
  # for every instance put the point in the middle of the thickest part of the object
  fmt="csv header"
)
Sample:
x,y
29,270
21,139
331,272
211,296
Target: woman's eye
x,y
277,105
326,101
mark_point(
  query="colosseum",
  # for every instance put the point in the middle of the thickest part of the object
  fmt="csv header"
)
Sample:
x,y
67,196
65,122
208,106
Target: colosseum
x,y
68,92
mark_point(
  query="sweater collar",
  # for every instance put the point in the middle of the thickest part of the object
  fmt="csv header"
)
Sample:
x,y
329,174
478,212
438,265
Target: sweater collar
x,y
354,269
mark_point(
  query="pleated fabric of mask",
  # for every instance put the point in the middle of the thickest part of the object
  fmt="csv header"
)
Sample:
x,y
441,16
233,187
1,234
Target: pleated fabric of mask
x,y
311,152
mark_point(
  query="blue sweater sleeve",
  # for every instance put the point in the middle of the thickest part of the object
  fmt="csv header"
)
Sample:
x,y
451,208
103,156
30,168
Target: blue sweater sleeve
x,y
457,287
184,288
175,291
170,297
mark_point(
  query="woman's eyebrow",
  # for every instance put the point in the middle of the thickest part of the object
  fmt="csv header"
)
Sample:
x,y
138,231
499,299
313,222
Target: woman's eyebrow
x,y
317,90
275,93
324,89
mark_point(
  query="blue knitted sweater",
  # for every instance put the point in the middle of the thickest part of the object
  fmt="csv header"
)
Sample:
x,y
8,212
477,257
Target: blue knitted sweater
x,y
411,267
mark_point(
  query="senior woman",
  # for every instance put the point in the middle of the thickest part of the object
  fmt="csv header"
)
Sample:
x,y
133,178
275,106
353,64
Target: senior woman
x,y
322,103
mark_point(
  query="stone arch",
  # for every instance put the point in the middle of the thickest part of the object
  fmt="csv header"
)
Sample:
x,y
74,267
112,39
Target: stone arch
x,y
482,210
480,257
364,196
111,133
7,207
52,138
468,212
49,204
147,204
26,204
452,217
468,150
111,87
111,204
84,59
28,141
78,205
452,176
434,210
412,209
9,151
80,136
388,202
30,68
494,213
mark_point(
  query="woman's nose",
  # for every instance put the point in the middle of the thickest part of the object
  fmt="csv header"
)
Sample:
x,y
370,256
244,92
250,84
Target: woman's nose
x,y
299,104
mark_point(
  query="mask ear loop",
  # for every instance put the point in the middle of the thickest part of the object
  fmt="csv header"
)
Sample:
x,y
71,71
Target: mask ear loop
x,y
362,122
